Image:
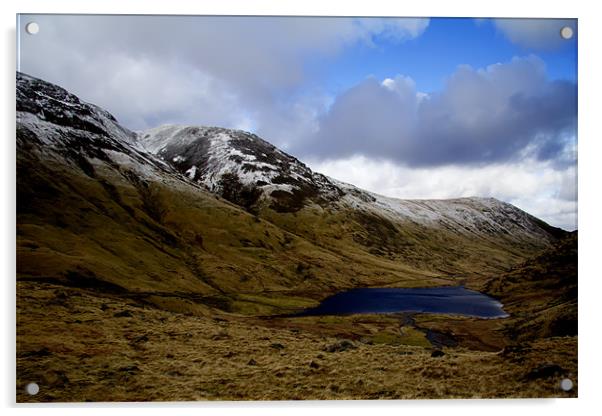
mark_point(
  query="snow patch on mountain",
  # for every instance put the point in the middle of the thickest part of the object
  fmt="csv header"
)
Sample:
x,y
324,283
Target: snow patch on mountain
x,y
54,120
191,173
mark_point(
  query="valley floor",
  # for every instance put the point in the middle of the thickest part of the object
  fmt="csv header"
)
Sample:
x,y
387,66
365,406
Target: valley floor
x,y
80,345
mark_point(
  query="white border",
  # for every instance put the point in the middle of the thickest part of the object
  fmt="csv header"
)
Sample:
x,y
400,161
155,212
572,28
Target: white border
x,y
590,70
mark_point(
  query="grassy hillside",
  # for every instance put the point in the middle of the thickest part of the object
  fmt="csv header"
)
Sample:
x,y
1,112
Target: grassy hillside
x,y
108,229
541,293
438,251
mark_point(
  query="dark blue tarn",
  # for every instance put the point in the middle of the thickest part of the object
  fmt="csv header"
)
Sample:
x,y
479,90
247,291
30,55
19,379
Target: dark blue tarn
x,y
455,300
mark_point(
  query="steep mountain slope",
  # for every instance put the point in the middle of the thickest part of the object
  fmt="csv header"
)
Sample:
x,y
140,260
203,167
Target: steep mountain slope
x,y
240,166
460,236
541,293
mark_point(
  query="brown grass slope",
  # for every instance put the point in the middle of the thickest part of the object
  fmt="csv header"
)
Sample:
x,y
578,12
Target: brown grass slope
x,y
108,231
541,293
444,252
111,230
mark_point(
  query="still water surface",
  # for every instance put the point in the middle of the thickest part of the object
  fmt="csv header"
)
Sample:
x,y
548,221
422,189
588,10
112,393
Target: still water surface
x,y
455,300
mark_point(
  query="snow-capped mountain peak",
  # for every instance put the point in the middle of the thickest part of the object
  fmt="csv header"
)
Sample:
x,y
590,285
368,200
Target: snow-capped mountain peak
x,y
221,158
49,103
60,122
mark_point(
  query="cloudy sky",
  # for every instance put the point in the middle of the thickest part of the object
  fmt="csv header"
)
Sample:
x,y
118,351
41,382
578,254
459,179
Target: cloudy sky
x,y
410,108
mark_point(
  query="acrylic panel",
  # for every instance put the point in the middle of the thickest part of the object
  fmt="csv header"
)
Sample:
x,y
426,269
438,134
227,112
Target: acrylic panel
x,y
285,208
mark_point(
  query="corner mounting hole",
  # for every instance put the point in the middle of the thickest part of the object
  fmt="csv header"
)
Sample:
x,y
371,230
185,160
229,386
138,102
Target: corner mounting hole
x,y
566,32
566,384
32,28
32,389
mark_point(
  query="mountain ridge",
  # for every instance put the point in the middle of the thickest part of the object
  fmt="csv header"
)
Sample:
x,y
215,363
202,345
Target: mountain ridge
x,y
95,206
208,154
250,168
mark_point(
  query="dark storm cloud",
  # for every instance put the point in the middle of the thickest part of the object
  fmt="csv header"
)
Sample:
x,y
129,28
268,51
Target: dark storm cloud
x,y
504,112
367,119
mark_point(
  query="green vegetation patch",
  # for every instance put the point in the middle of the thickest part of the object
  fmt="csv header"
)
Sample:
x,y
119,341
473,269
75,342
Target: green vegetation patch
x,y
408,336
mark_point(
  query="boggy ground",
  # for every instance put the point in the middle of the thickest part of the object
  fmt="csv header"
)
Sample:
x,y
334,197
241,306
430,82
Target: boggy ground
x,y
82,345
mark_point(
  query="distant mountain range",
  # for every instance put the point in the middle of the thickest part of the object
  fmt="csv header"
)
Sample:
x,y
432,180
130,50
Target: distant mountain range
x,y
207,214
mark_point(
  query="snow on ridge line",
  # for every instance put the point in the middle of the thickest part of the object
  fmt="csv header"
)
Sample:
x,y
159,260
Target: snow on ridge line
x,y
44,99
220,158
156,138
350,188
471,213
60,119
220,153
47,101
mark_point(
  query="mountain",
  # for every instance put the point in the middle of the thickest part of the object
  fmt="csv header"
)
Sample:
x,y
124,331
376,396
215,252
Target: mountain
x,y
185,216
239,166
252,173
149,259
228,161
